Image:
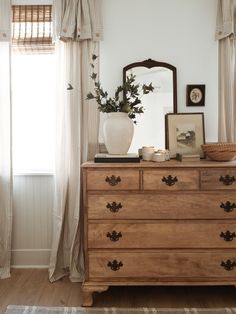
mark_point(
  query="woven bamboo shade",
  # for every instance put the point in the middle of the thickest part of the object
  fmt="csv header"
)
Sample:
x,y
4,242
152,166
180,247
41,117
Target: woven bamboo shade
x,y
32,28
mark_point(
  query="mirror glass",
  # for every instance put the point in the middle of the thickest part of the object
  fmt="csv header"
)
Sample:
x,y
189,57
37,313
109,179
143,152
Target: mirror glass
x,y
150,127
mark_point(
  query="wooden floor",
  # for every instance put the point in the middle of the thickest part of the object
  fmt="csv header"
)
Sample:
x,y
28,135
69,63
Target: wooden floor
x,y
31,287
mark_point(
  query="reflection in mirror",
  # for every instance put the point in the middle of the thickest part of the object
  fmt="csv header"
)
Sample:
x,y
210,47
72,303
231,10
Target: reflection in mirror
x,y
150,127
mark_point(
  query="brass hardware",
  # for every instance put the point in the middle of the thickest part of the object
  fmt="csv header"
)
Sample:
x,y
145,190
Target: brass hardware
x,y
228,265
113,180
227,180
114,236
169,180
228,207
228,236
115,265
114,207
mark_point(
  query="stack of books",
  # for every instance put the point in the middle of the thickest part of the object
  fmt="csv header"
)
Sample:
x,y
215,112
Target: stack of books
x,y
187,157
116,158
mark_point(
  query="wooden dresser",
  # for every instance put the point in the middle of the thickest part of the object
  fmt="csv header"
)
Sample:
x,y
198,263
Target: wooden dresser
x,y
170,223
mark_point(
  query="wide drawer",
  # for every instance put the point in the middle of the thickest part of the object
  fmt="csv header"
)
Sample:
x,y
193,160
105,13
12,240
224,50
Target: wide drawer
x,y
162,235
170,179
196,205
113,179
154,265
220,179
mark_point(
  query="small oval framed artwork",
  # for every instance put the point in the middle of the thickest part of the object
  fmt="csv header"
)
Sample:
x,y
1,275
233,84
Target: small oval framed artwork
x,y
195,95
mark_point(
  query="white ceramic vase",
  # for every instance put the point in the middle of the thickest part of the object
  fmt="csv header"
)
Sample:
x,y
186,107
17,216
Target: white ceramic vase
x,y
118,130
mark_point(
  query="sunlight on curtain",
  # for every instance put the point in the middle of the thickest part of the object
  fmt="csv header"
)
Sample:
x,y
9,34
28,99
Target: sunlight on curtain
x,y
5,161
77,123
5,140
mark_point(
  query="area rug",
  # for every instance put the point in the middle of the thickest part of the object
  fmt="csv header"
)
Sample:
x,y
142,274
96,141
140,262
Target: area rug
x,y
18,309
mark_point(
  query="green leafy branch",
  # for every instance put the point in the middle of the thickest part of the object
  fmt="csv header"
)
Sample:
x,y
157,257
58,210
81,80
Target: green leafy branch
x,y
131,103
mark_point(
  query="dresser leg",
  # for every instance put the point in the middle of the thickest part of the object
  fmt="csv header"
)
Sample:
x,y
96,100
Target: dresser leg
x,y
87,298
87,292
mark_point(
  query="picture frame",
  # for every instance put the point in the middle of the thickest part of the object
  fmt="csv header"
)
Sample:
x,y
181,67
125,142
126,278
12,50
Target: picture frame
x,y
184,133
195,95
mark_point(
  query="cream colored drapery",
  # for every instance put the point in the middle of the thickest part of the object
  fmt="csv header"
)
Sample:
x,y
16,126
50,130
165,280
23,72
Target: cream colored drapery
x,y
78,26
5,141
226,34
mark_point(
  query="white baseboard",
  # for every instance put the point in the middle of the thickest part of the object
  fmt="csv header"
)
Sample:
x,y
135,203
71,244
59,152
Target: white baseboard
x,y
30,258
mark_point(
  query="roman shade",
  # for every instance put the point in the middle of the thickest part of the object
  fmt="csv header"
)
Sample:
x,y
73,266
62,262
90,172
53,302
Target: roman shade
x,y
32,28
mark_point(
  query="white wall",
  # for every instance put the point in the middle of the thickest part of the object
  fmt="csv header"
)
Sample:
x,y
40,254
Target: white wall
x,y
180,32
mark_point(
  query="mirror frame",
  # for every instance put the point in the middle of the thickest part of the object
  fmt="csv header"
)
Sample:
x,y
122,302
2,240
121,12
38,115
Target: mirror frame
x,y
149,63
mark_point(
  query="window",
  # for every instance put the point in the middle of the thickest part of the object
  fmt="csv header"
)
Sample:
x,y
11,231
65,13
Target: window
x,y
33,86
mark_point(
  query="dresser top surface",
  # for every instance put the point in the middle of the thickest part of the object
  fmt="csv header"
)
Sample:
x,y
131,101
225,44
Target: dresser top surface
x,y
166,164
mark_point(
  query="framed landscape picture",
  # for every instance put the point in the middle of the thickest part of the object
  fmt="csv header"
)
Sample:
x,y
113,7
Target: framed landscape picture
x,y
184,133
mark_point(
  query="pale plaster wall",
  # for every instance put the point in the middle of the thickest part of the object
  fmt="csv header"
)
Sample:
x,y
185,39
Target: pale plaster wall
x,y
180,32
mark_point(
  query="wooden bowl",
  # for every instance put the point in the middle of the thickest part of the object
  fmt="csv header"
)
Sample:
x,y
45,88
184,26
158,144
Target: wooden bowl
x,y
220,151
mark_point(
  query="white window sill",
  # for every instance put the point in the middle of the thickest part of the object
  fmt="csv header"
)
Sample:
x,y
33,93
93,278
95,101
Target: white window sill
x,y
33,173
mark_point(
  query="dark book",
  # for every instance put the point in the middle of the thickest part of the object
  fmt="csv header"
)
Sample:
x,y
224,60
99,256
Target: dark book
x,y
187,157
116,158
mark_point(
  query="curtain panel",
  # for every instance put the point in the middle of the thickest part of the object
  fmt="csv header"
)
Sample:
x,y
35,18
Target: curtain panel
x,y
226,34
5,141
78,30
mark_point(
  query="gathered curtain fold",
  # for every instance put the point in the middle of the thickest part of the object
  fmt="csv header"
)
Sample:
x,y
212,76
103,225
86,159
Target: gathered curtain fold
x,y
5,141
78,20
226,34
77,123
5,20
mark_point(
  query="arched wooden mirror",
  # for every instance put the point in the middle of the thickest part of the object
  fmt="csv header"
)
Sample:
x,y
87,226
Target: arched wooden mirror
x,y
150,127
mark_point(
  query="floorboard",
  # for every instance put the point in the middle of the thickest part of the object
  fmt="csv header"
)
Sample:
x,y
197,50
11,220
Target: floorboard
x,y
32,287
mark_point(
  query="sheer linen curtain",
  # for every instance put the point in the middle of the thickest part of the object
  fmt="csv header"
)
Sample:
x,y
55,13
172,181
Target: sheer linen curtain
x,y
226,34
78,26
5,141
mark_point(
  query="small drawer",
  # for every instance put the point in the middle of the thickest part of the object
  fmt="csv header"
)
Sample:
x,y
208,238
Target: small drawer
x,y
113,179
153,265
193,205
170,179
162,235
220,179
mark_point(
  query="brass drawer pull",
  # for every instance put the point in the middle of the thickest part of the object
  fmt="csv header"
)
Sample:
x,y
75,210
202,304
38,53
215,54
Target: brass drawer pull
x,y
228,236
228,265
228,207
227,180
169,180
114,207
114,236
113,180
115,265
